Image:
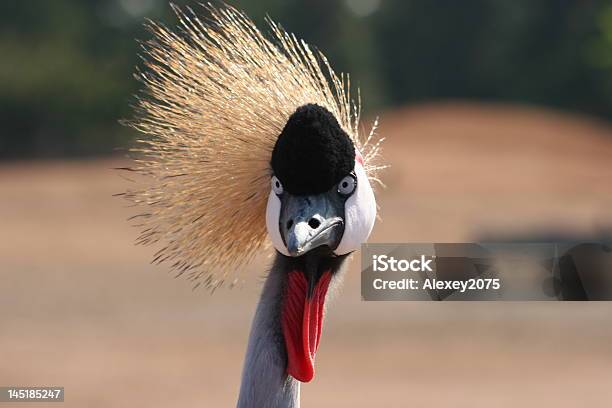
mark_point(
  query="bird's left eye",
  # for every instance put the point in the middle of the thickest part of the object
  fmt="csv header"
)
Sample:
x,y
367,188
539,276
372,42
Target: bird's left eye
x,y
347,185
277,187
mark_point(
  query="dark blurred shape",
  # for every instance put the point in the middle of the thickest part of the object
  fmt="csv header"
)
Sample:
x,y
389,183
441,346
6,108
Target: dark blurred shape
x,y
66,65
585,273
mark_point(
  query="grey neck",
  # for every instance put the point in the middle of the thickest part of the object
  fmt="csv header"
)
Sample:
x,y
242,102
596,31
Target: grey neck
x,y
265,382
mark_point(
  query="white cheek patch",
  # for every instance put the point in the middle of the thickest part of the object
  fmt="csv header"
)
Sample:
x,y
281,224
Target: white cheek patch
x,y
359,214
272,216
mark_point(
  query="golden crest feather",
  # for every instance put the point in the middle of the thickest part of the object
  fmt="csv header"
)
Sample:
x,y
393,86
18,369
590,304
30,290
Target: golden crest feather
x,y
216,95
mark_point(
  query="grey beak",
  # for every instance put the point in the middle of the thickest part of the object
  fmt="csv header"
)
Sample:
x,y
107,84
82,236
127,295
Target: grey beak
x,y
309,222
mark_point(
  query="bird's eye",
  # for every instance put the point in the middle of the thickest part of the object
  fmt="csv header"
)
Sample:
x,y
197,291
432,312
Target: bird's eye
x,y
277,187
347,185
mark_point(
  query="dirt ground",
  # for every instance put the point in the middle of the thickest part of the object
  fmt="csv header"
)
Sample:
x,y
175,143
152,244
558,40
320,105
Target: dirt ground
x,y
81,307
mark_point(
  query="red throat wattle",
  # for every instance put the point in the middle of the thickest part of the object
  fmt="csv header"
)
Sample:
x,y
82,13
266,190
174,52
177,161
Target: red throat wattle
x,y
302,322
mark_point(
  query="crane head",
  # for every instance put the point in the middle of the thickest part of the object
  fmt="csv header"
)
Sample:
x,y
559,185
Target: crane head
x,y
321,207
320,194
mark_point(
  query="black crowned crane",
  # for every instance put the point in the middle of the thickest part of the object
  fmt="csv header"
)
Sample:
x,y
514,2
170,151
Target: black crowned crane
x,y
248,138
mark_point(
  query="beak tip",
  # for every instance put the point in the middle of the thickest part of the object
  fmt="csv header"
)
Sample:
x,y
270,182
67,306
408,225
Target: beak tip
x,y
301,238
295,251
292,247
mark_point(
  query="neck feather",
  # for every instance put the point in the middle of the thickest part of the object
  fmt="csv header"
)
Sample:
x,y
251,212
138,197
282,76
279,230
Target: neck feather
x,y
265,382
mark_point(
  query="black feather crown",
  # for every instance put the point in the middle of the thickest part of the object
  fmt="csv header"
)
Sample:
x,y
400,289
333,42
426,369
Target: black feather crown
x,y
312,153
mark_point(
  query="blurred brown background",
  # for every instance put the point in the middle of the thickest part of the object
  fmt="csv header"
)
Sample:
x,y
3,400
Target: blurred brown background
x,y
473,154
